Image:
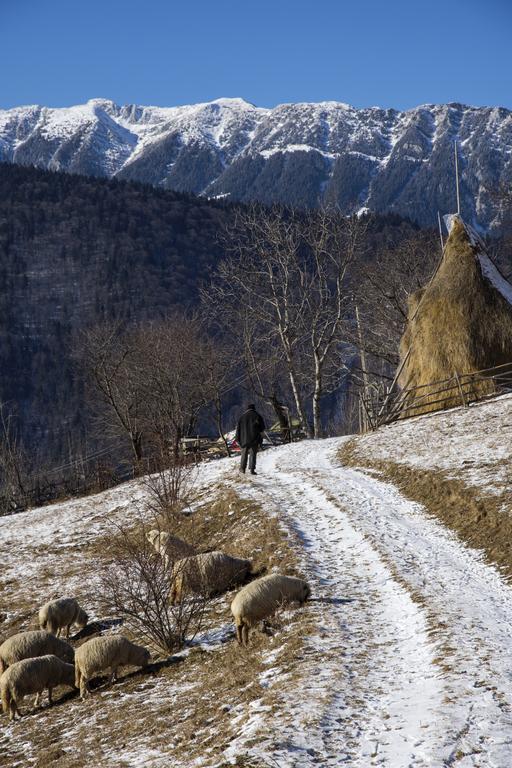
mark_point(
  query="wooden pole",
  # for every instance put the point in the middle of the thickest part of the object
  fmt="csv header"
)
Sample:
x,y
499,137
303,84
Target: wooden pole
x,y
460,390
362,353
457,176
440,231
393,383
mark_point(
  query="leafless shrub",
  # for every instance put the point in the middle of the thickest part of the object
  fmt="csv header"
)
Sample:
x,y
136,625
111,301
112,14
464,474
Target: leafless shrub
x,y
13,465
168,484
137,587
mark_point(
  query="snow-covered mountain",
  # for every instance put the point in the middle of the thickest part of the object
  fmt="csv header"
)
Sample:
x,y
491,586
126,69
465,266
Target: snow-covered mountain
x,y
299,154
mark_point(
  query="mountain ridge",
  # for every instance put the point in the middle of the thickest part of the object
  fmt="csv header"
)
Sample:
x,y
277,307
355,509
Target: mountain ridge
x,y
384,160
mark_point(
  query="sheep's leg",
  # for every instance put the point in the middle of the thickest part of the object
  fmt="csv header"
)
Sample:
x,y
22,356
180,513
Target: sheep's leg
x,y
13,709
50,702
37,698
113,676
245,634
239,634
67,631
84,686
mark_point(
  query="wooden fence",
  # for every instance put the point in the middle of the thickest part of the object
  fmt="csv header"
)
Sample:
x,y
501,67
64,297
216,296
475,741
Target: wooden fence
x,y
379,406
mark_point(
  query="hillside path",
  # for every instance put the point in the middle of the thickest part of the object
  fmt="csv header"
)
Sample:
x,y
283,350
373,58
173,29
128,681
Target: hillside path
x,y
412,661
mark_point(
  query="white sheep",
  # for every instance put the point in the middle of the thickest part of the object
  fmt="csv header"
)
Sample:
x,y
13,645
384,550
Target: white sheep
x,y
33,676
25,645
207,573
56,615
109,652
262,597
170,548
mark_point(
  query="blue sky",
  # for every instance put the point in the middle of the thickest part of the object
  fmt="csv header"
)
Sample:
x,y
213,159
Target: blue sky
x,y
391,53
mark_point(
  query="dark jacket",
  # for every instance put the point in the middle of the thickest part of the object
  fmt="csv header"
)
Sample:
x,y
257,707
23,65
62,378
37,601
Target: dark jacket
x,y
250,428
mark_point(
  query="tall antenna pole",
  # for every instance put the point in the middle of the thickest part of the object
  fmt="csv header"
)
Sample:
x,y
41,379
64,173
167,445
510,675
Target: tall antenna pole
x,y
440,231
457,175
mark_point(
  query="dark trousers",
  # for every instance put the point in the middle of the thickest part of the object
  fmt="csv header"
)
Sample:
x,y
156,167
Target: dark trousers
x,y
249,452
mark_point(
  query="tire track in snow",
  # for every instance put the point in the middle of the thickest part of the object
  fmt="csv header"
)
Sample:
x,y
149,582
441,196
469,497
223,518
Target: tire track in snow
x,y
387,551
383,693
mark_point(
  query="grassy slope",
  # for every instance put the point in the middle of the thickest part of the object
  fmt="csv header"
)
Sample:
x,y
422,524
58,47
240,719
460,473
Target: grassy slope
x,y
184,709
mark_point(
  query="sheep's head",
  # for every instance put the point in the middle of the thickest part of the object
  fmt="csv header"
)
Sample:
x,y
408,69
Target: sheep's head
x,y
152,536
141,656
82,619
68,653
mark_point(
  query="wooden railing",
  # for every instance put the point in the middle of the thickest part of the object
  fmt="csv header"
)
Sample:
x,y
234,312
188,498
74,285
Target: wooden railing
x,y
379,407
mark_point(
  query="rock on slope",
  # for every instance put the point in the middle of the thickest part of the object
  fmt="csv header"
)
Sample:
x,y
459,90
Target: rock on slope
x,y
298,154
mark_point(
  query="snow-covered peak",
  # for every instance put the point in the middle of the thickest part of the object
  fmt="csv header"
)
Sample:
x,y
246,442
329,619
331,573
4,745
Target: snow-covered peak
x,y
234,103
376,158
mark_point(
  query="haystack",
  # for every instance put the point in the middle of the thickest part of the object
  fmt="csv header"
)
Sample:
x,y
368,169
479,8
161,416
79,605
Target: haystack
x,y
461,322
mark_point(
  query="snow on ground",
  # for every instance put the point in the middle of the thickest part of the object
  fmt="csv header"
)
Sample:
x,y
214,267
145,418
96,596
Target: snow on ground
x,y
472,444
408,660
421,670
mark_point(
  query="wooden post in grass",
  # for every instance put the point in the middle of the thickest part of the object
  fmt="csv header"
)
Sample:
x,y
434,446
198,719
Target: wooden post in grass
x,y
464,403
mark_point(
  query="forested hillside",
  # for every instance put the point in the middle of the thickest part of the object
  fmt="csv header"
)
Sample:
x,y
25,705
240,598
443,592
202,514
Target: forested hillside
x,y
75,251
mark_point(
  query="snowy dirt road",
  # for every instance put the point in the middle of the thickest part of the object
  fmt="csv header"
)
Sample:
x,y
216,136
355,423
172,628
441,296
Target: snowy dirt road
x,y
412,661
409,660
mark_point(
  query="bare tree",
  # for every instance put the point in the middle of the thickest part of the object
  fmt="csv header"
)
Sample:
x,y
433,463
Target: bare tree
x,y
112,365
259,277
286,281
382,284
148,382
171,355
219,366
249,359
333,244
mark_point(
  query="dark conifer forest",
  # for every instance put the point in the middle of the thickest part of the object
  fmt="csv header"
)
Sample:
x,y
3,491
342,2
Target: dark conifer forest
x,y
76,251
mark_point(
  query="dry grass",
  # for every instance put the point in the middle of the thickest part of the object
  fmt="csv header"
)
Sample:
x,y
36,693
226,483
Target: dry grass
x,y
481,520
459,322
190,708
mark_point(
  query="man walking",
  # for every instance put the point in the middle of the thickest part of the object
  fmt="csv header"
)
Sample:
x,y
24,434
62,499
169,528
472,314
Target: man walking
x,y
249,436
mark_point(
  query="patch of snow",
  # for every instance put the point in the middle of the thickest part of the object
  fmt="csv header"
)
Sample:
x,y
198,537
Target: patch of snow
x,y
266,153
471,444
490,271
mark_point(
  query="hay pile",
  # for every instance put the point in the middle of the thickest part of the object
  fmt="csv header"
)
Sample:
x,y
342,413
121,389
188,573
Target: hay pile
x,y
460,322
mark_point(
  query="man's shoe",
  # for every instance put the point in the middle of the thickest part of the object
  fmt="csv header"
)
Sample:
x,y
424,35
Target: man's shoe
x,y
253,472
242,471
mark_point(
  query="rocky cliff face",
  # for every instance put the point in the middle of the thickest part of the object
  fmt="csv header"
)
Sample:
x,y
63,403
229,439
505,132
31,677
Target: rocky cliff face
x,y
300,154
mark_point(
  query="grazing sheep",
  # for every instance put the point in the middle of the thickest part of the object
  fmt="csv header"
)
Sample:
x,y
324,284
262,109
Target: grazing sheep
x,y
26,645
101,653
262,597
170,548
33,676
56,615
208,572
